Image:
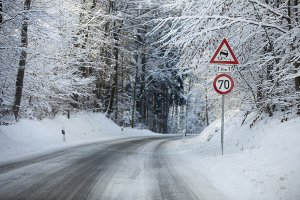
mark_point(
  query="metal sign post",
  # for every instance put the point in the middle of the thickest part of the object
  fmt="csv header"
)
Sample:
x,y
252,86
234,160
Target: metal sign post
x,y
222,124
223,83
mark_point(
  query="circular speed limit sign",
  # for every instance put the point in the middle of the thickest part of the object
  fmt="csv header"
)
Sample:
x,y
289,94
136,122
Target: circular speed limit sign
x,y
223,84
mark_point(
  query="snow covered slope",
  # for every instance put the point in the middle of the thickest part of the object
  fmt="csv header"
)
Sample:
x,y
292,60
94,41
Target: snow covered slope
x,y
259,163
34,136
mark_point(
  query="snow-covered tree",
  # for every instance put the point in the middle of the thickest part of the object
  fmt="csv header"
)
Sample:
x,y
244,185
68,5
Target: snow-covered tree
x,y
263,34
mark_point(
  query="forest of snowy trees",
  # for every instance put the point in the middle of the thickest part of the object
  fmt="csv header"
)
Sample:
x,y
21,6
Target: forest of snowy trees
x,y
145,63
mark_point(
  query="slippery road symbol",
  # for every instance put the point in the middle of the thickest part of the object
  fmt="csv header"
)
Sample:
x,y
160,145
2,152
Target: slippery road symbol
x,y
223,55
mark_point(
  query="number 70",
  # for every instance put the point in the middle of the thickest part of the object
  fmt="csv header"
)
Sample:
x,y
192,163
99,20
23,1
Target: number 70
x,y
224,83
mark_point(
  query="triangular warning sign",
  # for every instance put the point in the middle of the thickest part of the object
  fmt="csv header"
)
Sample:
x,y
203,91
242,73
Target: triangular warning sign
x,y
224,55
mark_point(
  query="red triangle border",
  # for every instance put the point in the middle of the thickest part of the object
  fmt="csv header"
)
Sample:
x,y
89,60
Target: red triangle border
x,y
233,62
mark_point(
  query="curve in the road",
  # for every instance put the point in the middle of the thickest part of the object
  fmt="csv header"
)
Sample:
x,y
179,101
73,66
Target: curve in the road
x,y
125,169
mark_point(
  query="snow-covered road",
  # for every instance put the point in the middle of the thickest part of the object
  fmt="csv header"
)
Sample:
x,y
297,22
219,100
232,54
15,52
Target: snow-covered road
x,y
133,168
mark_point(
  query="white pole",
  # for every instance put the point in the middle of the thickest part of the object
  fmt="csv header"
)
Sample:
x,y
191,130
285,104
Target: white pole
x,y
222,125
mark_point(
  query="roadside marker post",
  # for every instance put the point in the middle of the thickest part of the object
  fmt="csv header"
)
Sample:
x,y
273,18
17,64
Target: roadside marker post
x,y
223,83
63,132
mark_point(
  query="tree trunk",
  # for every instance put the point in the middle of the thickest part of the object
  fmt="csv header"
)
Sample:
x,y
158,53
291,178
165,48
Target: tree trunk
x,y
1,10
289,20
154,117
187,108
297,64
290,26
134,98
206,107
22,61
114,89
176,117
296,9
142,91
167,109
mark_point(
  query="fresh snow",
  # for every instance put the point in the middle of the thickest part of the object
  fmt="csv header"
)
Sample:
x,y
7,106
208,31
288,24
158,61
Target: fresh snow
x,y
30,137
259,163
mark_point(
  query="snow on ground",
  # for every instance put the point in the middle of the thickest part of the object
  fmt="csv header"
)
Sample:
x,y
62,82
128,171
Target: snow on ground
x,y
261,163
33,136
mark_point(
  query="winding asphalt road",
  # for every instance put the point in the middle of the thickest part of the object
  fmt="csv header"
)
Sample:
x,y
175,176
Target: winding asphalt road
x,y
124,169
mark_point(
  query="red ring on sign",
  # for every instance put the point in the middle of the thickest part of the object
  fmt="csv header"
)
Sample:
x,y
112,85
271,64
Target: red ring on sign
x,y
230,79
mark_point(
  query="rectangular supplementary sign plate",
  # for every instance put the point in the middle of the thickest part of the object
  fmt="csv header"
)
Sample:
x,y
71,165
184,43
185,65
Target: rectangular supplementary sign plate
x,y
224,69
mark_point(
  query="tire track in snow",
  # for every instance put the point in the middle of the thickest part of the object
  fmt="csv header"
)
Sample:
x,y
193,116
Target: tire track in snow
x,y
165,183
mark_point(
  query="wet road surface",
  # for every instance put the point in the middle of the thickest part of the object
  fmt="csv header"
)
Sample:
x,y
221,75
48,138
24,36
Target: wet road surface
x,y
133,169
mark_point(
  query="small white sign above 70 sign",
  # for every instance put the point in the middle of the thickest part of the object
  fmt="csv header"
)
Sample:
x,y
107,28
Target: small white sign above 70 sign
x,y
225,69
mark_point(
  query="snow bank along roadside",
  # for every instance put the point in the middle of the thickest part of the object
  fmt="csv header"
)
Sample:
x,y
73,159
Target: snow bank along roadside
x,y
32,136
261,163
